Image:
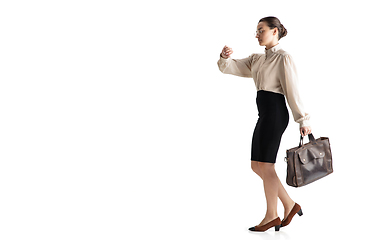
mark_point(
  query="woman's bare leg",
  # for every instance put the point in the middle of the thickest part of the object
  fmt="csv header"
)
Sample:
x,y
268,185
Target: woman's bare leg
x,y
288,203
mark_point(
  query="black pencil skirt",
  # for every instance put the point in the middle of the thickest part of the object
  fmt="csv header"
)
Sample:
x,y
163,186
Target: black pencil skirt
x,y
272,122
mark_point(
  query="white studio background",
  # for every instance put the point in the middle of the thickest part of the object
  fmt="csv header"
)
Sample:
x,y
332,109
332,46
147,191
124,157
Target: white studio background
x,y
117,124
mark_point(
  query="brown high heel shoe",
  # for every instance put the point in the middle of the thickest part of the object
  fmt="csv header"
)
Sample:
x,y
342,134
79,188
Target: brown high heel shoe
x,y
295,209
274,223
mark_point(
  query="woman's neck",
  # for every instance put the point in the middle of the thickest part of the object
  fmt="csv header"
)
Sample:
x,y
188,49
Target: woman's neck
x,y
271,45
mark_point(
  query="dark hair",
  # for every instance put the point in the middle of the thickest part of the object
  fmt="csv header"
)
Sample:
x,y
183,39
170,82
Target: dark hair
x,y
273,22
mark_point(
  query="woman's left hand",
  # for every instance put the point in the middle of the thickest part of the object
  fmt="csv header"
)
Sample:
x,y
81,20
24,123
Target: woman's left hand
x,y
304,131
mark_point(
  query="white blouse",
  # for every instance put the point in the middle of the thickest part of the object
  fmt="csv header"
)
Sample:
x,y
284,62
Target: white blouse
x,y
273,71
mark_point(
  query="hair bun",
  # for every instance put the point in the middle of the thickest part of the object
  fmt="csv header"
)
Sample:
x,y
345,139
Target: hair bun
x,y
283,31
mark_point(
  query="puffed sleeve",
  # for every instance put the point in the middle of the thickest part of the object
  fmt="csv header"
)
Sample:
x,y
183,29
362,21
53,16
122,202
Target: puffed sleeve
x,y
238,67
289,83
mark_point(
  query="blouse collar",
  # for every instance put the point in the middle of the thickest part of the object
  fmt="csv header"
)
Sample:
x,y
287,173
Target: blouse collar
x,y
272,50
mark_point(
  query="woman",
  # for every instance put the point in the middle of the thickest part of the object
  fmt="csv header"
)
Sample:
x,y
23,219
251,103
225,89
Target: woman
x,y
275,76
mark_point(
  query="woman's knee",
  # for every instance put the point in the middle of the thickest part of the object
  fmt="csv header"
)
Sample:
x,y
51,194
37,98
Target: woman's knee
x,y
255,167
267,168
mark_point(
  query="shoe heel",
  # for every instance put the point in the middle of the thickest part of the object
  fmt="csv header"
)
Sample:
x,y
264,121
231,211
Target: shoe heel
x,y
277,228
300,213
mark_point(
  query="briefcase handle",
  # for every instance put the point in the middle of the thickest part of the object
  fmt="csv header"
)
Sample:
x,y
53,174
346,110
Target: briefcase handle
x,y
311,139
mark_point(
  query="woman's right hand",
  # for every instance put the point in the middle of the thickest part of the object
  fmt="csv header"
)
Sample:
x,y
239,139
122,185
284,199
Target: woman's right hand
x,y
226,52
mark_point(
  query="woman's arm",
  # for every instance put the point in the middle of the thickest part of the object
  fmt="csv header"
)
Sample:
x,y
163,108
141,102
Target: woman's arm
x,y
289,83
238,67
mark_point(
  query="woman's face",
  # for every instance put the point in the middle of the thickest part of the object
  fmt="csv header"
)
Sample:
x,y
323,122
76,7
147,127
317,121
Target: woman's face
x,y
264,34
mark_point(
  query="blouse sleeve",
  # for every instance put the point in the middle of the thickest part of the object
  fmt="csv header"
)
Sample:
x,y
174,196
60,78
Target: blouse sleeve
x,y
238,67
289,83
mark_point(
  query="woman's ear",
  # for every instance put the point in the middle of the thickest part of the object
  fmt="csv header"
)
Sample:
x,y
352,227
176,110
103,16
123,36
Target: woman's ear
x,y
275,31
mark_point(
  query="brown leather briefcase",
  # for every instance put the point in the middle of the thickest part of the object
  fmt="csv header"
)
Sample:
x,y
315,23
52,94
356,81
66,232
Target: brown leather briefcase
x,y
309,162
